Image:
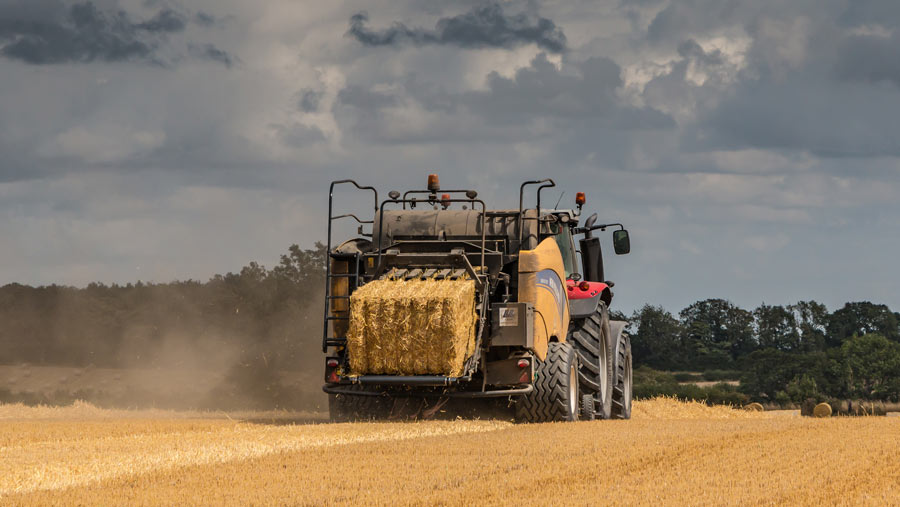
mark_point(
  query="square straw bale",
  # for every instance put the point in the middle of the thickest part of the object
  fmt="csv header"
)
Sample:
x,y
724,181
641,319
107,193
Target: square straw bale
x,y
412,327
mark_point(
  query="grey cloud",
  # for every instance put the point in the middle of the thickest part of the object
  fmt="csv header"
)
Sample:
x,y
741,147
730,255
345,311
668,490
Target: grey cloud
x,y
360,97
298,135
45,32
829,121
816,78
204,19
213,53
680,18
870,12
870,59
578,101
482,27
81,33
584,89
165,21
640,3
309,100
690,49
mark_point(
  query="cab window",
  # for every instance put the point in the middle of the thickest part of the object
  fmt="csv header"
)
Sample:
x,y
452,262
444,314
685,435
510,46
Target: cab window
x,y
566,248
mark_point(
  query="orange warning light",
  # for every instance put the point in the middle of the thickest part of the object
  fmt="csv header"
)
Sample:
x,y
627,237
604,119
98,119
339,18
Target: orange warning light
x,y
433,184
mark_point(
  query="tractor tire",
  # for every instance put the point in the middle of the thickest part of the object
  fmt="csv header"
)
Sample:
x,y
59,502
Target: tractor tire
x,y
591,339
588,412
555,394
349,407
621,399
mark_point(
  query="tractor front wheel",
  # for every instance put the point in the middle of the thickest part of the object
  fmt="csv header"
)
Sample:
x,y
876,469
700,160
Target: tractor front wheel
x,y
590,337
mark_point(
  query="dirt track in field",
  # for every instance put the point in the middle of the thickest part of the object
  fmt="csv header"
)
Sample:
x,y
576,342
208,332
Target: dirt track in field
x,y
670,452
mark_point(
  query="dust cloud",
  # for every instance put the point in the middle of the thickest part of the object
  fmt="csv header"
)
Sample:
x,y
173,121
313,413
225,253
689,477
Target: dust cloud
x,y
233,343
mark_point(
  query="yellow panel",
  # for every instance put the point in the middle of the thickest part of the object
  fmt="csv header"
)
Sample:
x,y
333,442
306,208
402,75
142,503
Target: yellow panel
x,y
542,283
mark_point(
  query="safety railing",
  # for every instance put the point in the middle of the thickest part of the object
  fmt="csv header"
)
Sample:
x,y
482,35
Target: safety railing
x,y
329,276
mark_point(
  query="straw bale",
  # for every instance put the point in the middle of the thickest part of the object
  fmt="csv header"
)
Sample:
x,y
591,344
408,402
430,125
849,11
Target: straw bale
x,y
822,410
754,407
412,327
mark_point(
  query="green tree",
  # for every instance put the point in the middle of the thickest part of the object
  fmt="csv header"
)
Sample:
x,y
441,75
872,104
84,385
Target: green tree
x,y
769,371
302,267
802,387
716,332
656,338
776,328
811,321
872,364
862,318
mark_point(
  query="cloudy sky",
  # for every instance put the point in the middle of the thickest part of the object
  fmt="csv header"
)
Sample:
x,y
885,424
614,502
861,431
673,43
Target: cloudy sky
x,y
751,147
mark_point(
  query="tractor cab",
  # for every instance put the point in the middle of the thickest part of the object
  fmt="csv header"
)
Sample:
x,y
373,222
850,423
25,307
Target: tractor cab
x,y
585,280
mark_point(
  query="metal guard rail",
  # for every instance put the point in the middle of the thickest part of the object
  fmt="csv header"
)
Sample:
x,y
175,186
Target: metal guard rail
x,y
332,218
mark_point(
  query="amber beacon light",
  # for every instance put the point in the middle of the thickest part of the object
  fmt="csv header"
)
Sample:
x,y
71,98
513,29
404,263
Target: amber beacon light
x,y
433,184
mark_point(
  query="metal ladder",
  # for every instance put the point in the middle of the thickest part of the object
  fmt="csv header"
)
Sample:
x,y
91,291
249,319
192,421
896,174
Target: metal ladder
x,y
354,278
353,283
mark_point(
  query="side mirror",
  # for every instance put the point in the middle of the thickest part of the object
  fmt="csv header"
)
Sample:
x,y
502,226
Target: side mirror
x,y
621,242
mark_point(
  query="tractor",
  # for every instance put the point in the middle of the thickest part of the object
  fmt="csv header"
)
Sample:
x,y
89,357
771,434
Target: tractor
x,y
539,331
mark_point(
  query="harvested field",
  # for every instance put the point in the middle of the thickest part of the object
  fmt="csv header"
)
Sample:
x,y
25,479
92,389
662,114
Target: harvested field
x,y
670,452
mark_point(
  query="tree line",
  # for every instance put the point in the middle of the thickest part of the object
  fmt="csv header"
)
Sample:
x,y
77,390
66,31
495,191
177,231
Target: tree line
x,y
780,353
271,319
263,317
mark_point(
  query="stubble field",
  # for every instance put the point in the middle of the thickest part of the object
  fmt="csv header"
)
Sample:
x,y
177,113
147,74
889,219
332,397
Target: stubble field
x,y
669,452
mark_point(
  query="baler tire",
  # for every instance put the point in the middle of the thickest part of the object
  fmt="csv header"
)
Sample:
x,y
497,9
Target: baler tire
x,y
621,399
555,394
351,408
590,337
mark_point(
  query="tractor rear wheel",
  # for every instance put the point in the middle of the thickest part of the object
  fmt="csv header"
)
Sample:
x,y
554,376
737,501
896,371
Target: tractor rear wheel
x,y
357,407
621,399
555,394
591,339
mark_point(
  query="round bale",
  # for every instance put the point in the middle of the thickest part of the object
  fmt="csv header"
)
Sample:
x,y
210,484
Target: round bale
x,y
822,410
